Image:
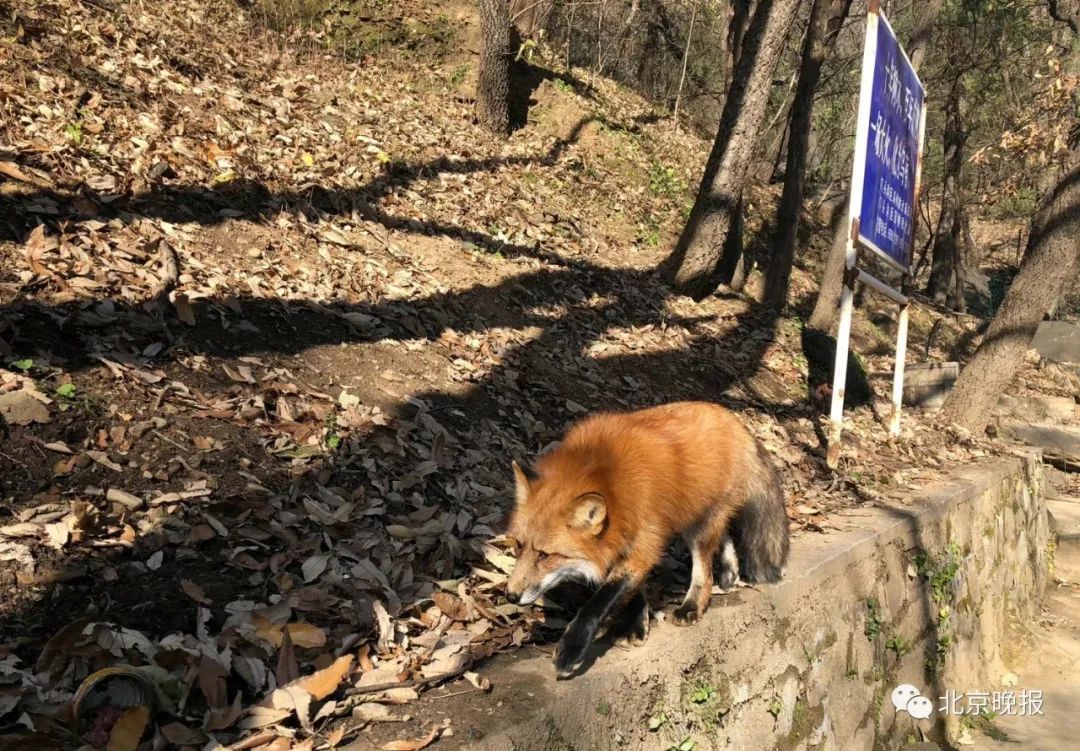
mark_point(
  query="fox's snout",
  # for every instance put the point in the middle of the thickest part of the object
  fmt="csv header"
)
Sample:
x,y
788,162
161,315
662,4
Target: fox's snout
x,y
526,597
522,589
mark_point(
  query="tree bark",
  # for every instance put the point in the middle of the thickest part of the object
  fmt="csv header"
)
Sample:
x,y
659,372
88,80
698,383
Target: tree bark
x,y
947,256
692,265
928,12
832,280
1050,264
732,267
493,84
820,34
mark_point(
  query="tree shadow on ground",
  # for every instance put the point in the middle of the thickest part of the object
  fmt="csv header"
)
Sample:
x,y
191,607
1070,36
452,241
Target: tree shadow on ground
x,y
538,378
256,201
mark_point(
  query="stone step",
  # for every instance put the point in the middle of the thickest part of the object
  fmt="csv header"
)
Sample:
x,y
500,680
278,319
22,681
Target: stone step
x,y
1065,521
1042,408
1066,516
1058,443
1055,479
1058,341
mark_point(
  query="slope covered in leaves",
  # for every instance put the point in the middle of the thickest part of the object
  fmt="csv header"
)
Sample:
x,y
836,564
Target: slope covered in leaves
x,y
273,325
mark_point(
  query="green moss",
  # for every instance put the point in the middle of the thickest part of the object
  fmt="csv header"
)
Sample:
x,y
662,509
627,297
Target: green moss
x,y
775,706
873,619
706,697
804,720
665,181
940,572
984,723
898,645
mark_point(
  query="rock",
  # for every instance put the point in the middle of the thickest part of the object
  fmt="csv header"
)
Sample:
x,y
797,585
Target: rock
x,y
1056,442
927,384
977,290
1058,341
1064,374
20,408
1053,409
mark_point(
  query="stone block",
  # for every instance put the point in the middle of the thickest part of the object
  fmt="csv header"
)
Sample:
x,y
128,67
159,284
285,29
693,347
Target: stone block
x,y
927,384
1058,341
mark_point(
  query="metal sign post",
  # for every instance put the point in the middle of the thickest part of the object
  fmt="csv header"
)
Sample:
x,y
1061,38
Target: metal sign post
x,y
883,198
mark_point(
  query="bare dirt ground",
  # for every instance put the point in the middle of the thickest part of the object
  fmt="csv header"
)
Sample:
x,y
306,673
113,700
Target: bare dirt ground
x,y
290,316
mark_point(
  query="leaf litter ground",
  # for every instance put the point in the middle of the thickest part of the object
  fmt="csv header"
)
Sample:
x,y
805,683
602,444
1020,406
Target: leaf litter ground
x,y
274,324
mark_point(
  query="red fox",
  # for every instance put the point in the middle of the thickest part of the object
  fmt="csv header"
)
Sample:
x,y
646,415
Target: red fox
x,y
603,505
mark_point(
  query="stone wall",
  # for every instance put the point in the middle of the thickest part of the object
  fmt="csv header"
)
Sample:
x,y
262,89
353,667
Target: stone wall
x,y
923,593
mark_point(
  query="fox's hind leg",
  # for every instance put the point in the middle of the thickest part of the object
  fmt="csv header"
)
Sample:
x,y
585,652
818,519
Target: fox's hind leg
x,y
729,563
703,541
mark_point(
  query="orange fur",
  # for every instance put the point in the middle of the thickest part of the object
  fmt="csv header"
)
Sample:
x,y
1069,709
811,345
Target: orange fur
x,y
678,469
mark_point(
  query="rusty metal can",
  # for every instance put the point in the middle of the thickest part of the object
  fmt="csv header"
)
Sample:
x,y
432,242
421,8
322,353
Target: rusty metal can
x,y
117,686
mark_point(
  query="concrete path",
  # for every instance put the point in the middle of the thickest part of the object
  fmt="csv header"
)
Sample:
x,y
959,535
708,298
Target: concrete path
x,y
1054,664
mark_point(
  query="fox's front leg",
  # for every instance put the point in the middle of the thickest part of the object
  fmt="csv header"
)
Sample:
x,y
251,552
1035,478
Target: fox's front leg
x,y
632,623
570,652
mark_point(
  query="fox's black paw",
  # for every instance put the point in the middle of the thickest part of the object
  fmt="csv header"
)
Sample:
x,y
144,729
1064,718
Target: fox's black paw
x,y
570,655
638,631
727,579
686,615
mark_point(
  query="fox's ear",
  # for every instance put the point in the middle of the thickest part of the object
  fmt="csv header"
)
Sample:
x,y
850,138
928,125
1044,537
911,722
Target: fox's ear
x,y
523,475
589,513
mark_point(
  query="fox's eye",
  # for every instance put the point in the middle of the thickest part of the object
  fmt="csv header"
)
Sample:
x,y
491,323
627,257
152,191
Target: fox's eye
x,y
541,555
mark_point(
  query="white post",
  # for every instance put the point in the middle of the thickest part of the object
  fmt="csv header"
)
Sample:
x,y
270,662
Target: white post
x,y
855,189
898,372
843,337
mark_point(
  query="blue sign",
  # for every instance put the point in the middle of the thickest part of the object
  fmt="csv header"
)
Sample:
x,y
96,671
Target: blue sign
x,y
891,139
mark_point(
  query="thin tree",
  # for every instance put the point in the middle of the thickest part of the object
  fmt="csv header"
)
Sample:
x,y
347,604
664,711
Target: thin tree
x,y
821,34
692,266
685,60
493,83
832,277
947,261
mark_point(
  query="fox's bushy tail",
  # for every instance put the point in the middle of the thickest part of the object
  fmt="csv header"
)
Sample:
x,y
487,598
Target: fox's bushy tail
x,y
760,529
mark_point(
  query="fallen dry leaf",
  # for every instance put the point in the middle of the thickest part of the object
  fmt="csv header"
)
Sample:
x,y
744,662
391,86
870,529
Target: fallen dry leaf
x,y
324,682
179,734
103,459
20,408
287,668
416,745
195,592
129,729
306,635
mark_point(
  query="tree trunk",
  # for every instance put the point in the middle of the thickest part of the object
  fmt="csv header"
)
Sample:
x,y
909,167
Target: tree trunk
x,y
816,47
1050,264
832,281
732,267
692,265
964,244
740,18
948,244
928,12
493,85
